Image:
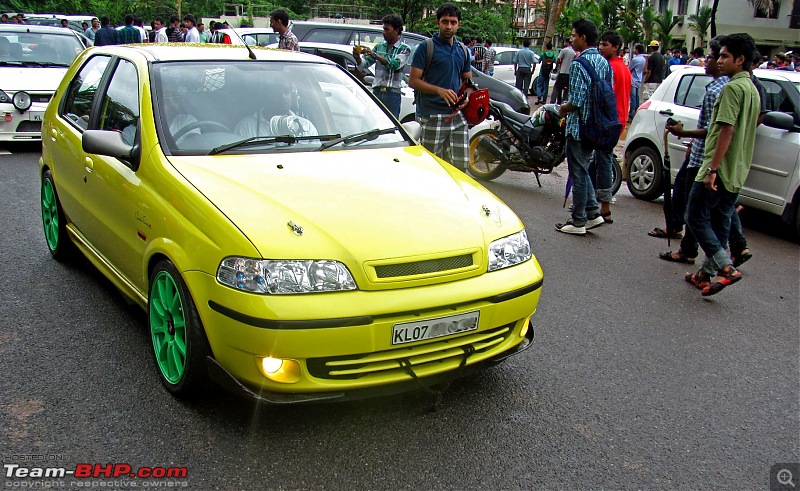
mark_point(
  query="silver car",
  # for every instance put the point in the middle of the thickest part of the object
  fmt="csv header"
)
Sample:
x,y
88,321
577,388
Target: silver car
x,y
773,184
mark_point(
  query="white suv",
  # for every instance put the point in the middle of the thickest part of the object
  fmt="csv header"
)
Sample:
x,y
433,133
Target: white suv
x,y
773,184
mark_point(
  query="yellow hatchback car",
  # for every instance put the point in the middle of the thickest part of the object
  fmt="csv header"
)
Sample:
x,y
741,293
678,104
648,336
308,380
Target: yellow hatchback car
x,y
287,237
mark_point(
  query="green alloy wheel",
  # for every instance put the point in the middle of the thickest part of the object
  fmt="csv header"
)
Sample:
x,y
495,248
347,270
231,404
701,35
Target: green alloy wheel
x,y
55,224
179,343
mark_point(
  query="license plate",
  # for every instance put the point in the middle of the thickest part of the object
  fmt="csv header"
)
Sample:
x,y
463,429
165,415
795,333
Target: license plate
x,y
410,332
36,116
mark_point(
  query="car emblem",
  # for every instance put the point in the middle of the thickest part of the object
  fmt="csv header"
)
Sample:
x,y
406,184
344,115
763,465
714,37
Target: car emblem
x,y
296,229
486,210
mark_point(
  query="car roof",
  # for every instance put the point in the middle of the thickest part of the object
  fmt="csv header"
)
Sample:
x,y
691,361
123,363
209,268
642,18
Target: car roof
x,y
206,51
500,49
772,74
346,48
249,30
36,29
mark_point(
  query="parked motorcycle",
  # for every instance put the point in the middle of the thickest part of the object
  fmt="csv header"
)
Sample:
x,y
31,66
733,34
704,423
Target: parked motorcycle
x,y
509,140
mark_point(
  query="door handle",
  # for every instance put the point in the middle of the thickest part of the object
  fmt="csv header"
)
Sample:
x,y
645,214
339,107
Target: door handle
x,y
53,133
666,112
88,164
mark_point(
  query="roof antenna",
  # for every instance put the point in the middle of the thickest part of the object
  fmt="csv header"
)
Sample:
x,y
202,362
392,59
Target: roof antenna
x,y
251,55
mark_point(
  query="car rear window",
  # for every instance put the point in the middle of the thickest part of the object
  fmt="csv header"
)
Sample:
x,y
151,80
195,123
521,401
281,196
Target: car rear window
x,y
691,90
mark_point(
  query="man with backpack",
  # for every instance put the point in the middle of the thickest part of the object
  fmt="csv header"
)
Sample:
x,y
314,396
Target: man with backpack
x,y
586,73
548,60
436,77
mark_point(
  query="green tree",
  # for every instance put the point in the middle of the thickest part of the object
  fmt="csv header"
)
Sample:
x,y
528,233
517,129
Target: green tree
x,y
648,23
664,25
553,14
700,22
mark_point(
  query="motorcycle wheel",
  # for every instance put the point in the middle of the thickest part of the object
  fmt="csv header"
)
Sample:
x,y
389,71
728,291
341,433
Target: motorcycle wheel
x,y
481,165
616,176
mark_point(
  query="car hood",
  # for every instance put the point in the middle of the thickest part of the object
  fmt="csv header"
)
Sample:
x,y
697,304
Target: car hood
x,y
354,204
31,79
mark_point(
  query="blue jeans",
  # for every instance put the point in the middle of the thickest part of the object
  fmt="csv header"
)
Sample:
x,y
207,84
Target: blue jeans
x,y
584,203
390,99
708,215
542,86
601,169
634,101
684,181
736,239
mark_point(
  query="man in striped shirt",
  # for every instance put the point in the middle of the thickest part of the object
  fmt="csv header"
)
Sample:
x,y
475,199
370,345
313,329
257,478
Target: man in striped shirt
x,y
390,57
128,34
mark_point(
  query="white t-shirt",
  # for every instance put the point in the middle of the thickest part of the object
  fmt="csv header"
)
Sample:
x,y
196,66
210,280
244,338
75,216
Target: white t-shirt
x,y
192,35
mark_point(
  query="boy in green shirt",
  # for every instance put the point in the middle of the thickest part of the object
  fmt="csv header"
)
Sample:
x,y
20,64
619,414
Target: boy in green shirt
x,y
548,60
727,158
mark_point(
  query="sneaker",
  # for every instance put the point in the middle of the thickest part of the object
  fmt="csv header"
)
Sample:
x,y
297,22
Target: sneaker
x,y
594,222
569,228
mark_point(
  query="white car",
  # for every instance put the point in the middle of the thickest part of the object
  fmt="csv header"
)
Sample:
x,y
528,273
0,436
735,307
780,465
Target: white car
x,y
504,64
773,184
33,60
252,36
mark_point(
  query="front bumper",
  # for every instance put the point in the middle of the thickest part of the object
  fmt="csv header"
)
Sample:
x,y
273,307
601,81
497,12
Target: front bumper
x,y
26,126
346,348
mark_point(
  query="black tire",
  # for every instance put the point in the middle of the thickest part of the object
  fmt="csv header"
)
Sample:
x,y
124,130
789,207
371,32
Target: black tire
x,y
644,173
481,166
54,221
183,374
616,176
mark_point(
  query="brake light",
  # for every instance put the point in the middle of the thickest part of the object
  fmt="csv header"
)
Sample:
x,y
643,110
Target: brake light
x,y
645,105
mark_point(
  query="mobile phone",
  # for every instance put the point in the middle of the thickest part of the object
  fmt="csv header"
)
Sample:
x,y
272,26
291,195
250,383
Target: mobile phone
x,y
672,122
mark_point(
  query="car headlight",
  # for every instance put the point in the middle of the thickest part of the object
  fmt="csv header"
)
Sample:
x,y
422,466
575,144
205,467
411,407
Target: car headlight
x,y
22,100
4,98
509,251
284,276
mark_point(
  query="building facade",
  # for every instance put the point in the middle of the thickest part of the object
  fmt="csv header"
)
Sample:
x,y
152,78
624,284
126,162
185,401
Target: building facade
x,y
774,31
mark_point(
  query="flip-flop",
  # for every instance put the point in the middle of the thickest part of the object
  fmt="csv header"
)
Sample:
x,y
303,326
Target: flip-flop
x,y
667,256
663,234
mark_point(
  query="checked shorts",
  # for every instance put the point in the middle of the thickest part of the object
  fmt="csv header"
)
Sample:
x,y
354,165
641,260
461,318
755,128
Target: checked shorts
x,y
448,140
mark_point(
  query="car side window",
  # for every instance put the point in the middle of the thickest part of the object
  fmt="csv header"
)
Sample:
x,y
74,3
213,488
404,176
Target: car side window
x,y
120,104
81,91
777,98
505,58
692,90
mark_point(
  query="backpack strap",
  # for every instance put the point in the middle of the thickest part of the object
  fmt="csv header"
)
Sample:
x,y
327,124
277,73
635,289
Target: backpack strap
x,y
429,56
589,69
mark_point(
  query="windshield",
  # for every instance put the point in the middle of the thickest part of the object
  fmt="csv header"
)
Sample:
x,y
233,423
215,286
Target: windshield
x,y
203,109
36,49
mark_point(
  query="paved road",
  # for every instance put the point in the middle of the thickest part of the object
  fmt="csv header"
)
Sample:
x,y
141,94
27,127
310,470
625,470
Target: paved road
x,y
634,381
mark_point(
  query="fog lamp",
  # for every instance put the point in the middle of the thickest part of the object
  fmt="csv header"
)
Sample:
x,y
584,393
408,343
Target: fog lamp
x,y
22,101
280,370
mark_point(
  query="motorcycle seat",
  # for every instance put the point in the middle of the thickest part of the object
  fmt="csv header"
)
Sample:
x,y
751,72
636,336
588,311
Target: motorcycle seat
x,y
509,113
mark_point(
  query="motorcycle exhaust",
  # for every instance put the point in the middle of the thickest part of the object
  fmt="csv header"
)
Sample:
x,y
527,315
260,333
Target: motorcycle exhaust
x,y
488,146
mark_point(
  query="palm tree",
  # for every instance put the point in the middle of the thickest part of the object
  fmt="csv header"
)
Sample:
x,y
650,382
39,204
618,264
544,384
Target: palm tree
x,y
648,23
664,24
700,22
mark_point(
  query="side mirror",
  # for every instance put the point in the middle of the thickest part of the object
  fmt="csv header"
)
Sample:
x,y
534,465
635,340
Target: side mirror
x,y
111,144
414,129
780,120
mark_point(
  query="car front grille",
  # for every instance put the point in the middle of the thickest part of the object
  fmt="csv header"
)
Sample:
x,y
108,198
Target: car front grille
x,y
394,362
29,127
423,267
42,98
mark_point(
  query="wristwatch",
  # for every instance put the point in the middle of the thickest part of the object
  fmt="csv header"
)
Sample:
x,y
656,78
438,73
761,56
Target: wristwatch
x,y
712,171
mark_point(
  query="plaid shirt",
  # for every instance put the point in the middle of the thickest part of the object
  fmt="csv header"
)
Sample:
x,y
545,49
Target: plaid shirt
x,y
713,89
391,74
128,35
288,41
488,60
580,89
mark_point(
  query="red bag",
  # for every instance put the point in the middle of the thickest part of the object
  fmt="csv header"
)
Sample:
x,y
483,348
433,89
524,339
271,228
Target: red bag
x,y
477,108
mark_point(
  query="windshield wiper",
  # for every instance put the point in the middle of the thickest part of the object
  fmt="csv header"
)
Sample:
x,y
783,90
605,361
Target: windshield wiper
x,y
261,140
43,63
14,63
363,136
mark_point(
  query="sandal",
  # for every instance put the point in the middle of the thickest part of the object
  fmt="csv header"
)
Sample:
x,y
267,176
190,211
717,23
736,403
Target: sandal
x,y
668,256
698,279
724,278
741,258
663,234
607,217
